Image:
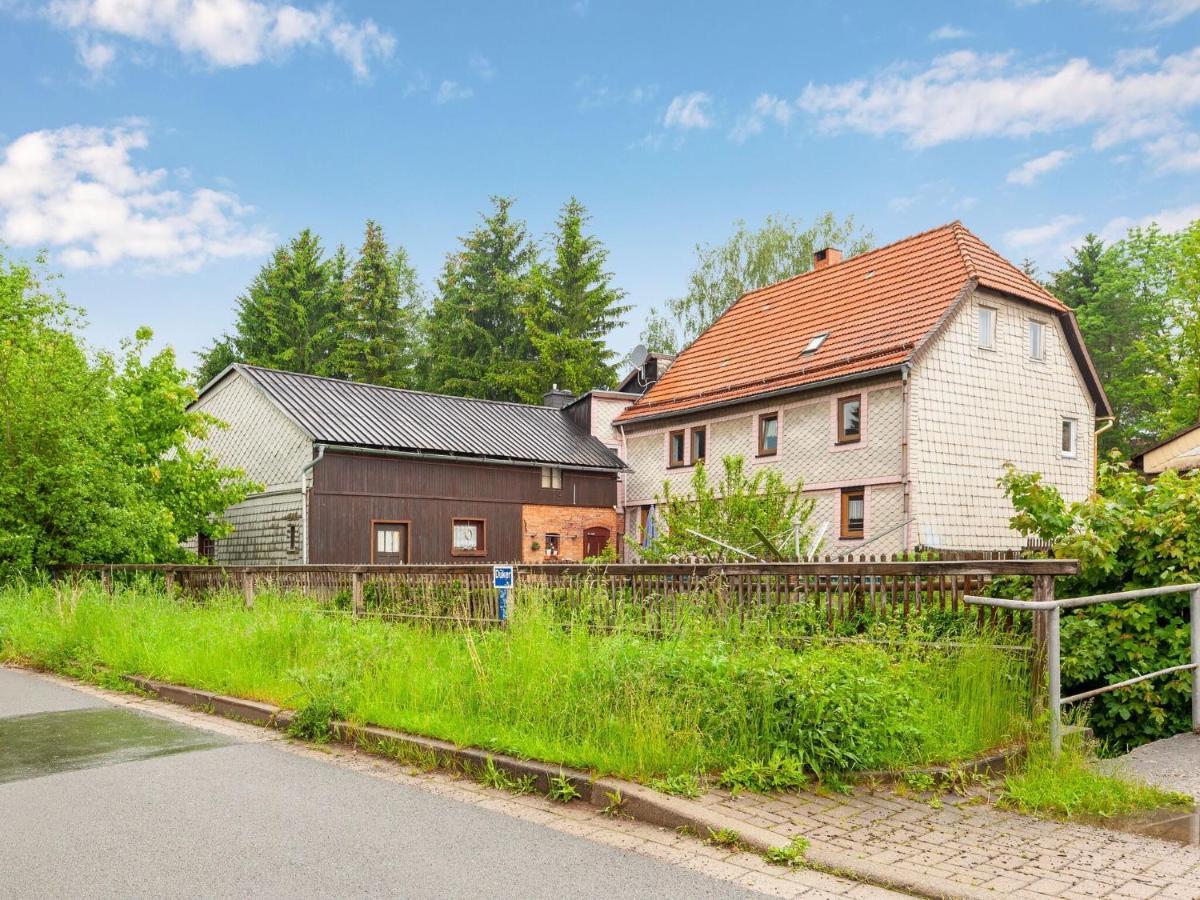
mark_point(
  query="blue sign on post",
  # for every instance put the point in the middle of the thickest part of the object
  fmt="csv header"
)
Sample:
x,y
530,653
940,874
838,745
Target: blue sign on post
x,y
502,581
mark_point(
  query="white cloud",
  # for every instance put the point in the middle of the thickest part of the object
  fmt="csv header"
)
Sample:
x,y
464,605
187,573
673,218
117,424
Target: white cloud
x,y
1153,13
449,91
1031,170
483,66
766,108
95,56
77,190
1039,235
1171,219
1135,58
688,111
227,33
966,95
948,33
599,95
1175,152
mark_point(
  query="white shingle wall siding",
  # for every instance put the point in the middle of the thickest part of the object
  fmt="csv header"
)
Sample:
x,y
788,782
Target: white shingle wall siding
x,y
271,450
972,410
807,450
259,439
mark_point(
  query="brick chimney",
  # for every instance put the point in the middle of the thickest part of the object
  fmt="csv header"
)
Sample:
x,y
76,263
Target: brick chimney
x,y
557,398
823,259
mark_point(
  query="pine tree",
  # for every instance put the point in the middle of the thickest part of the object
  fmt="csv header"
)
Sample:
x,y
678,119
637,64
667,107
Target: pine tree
x,y
286,318
478,344
1076,284
378,327
577,310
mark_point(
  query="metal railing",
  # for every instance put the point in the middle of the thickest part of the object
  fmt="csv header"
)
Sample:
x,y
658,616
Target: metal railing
x,y
1050,613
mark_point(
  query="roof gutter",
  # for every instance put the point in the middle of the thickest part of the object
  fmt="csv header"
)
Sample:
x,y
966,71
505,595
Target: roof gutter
x,y
754,398
304,470
459,457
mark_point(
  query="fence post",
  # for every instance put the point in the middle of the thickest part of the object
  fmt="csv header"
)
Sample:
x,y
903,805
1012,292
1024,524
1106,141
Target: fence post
x,y
1043,589
357,595
106,580
169,580
1053,662
248,589
1196,660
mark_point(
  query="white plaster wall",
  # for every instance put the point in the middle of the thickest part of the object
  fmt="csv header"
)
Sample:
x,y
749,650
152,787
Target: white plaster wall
x,y
972,410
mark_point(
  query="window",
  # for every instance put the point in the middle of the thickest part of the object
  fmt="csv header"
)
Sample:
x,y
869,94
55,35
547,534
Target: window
x,y
854,511
1070,430
676,447
292,539
699,444
468,538
387,540
551,477
850,419
552,544
1037,340
987,328
768,434
815,344
206,547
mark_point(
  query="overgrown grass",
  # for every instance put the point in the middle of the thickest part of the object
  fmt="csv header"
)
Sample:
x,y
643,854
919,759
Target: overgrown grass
x,y
1071,786
707,698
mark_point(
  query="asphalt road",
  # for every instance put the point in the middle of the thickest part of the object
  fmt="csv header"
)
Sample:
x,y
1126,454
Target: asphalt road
x,y
246,819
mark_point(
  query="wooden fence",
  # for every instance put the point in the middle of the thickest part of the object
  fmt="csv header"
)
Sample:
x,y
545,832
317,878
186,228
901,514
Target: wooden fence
x,y
656,595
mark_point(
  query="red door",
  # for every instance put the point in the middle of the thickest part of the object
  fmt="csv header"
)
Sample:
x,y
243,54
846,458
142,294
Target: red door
x,y
595,540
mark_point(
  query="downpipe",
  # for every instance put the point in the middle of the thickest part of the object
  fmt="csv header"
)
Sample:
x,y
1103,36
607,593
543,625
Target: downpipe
x,y
304,470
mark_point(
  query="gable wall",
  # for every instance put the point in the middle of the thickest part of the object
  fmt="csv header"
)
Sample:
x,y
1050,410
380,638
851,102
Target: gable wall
x,y
973,410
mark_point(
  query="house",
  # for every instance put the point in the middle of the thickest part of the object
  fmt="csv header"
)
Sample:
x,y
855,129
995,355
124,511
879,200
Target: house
x,y
357,473
1181,451
896,384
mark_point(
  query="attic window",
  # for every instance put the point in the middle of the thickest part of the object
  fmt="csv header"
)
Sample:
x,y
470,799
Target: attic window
x,y
815,344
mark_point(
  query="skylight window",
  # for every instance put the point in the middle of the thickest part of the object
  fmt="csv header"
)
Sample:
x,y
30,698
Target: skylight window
x,y
815,344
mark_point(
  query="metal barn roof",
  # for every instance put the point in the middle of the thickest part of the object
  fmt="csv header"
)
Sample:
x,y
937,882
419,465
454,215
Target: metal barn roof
x,y
354,414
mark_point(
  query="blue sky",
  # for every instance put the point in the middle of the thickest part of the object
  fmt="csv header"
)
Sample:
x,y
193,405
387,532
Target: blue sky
x,y
159,148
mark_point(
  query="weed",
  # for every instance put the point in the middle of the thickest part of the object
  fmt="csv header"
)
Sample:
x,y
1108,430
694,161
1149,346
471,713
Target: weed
x,y
779,773
791,855
935,802
322,704
724,837
685,784
919,782
493,777
523,784
615,804
561,789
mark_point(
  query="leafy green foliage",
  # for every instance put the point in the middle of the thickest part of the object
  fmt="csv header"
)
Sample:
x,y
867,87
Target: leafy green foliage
x,y
1132,534
738,510
751,258
97,452
791,855
322,698
683,784
562,790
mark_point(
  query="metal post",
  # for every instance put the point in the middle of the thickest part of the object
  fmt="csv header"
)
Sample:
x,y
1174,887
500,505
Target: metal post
x,y
1196,660
502,606
1053,660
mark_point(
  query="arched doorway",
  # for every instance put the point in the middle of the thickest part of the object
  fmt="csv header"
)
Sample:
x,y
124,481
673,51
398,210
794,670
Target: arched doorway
x,y
595,539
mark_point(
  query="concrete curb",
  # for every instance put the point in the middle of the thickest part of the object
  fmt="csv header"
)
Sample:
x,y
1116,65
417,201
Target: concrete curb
x,y
638,802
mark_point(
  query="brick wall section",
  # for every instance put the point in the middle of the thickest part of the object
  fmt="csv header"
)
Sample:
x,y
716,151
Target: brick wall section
x,y
569,523
807,451
271,450
972,410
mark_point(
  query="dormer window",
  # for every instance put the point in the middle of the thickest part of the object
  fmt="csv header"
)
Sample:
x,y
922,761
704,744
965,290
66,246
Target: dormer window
x,y
815,344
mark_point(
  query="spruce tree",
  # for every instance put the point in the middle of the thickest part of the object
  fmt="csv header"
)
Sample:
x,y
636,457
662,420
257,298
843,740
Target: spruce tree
x,y
571,318
378,328
478,343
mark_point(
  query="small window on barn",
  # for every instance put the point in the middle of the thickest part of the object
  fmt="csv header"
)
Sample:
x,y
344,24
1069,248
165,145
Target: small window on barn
x,y
206,547
387,540
768,434
814,344
676,447
699,444
469,537
854,512
1070,437
850,419
551,477
1037,340
292,533
987,327
553,543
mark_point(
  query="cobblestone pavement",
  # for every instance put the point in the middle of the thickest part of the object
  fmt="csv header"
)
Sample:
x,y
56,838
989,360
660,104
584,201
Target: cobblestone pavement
x,y
742,868
1172,763
975,849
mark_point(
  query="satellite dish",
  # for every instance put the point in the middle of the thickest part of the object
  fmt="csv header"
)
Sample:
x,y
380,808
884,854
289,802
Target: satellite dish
x,y
637,356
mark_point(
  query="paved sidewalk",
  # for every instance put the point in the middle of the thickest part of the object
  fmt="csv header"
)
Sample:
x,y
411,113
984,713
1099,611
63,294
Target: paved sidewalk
x,y
1172,763
973,850
741,869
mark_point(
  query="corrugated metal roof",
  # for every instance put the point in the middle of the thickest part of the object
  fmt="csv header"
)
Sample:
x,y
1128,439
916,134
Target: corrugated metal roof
x,y
353,414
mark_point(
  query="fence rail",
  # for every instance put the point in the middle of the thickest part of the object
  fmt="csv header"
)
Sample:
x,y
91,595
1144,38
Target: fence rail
x,y
1048,612
658,593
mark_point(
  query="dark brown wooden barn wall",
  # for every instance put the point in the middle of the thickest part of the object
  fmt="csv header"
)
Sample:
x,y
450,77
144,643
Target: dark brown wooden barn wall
x,y
350,490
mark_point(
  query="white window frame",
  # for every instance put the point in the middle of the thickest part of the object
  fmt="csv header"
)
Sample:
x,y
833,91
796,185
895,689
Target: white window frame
x,y
1038,352
1073,425
552,477
987,338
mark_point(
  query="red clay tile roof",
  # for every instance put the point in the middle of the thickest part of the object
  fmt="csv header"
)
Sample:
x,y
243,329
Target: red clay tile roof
x,y
877,308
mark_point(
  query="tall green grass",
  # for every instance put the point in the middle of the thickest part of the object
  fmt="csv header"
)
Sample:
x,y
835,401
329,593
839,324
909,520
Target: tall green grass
x,y
704,698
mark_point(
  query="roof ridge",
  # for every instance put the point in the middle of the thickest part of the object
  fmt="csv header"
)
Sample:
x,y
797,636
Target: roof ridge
x,y
968,259
384,387
1037,287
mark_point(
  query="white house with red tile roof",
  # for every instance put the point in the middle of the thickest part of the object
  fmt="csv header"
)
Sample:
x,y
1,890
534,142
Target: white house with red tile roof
x,y
896,384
